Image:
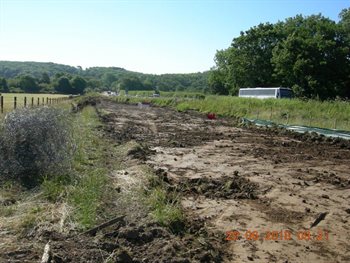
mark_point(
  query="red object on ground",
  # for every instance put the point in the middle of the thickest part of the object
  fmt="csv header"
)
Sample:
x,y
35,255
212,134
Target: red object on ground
x,y
211,116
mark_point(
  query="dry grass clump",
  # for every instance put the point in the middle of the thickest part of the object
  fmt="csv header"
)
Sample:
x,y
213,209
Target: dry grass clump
x,y
35,143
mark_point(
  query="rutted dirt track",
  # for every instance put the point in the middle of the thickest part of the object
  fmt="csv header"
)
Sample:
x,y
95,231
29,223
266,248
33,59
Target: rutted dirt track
x,y
247,179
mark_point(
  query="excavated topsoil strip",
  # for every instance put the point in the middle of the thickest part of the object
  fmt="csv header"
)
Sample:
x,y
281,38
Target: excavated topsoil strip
x,y
247,179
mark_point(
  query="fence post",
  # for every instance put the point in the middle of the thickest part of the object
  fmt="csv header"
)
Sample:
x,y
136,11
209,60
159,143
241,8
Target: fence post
x,y
2,104
47,100
32,102
25,102
15,103
38,103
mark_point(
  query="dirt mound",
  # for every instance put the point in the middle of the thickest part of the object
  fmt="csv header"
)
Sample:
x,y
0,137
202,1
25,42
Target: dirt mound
x,y
236,186
136,243
140,152
224,187
332,178
85,101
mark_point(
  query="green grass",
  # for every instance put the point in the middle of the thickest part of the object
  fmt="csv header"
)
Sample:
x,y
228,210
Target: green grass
x,y
168,94
9,99
165,211
7,211
85,189
77,199
87,196
164,205
326,114
55,188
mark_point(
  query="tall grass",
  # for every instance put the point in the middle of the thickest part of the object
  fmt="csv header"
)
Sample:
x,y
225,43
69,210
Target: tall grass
x,y
322,114
84,189
326,114
164,204
167,94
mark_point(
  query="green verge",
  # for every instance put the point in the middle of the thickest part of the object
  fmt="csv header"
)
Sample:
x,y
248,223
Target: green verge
x,y
168,94
322,114
164,204
86,188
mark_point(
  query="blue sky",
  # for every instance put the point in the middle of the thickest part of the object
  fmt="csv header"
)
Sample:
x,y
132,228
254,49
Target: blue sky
x,y
147,36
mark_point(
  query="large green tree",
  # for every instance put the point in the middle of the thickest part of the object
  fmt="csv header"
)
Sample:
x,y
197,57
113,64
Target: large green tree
x,y
3,85
345,22
345,26
45,78
312,57
78,85
310,54
62,85
28,84
246,63
108,78
131,83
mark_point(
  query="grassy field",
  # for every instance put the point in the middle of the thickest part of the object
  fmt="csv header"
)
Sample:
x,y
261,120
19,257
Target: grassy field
x,y
326,114
9,99
168,94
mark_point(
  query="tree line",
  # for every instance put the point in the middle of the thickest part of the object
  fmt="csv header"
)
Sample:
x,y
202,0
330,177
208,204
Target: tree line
x,y
309,54
32,77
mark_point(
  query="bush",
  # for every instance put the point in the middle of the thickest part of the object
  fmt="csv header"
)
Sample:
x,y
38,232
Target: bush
x,y
35,143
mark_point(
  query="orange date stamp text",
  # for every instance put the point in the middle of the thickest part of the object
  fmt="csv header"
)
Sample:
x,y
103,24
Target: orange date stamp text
x,y
275,235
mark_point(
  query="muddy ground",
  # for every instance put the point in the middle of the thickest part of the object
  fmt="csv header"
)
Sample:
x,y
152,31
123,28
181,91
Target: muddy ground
x,y
245,184
248,179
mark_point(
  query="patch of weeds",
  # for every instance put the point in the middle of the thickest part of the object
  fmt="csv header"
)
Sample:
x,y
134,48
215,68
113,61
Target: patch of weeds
x,y
56,187
87,197
7,211
165,205
88,194
10,190
31,218
86,140
28,222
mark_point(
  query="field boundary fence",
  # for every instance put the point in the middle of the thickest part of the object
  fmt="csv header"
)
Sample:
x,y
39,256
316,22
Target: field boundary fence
x,y
28,102
302,127
299,119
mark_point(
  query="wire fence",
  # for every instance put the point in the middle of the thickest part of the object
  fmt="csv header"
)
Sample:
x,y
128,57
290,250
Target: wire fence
x,y
288,118
11,103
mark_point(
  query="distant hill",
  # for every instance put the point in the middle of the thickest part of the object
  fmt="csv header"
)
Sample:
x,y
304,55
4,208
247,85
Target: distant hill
x,y
12,69
107,75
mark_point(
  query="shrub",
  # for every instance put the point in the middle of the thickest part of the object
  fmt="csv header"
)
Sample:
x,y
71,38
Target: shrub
x,y
35,143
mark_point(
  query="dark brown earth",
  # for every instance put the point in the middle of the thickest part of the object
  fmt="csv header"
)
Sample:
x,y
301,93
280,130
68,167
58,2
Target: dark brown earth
x,y
230,177
247,179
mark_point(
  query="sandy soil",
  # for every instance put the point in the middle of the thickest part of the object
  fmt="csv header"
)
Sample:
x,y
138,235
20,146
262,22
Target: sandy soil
x,y
241,179
275,195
